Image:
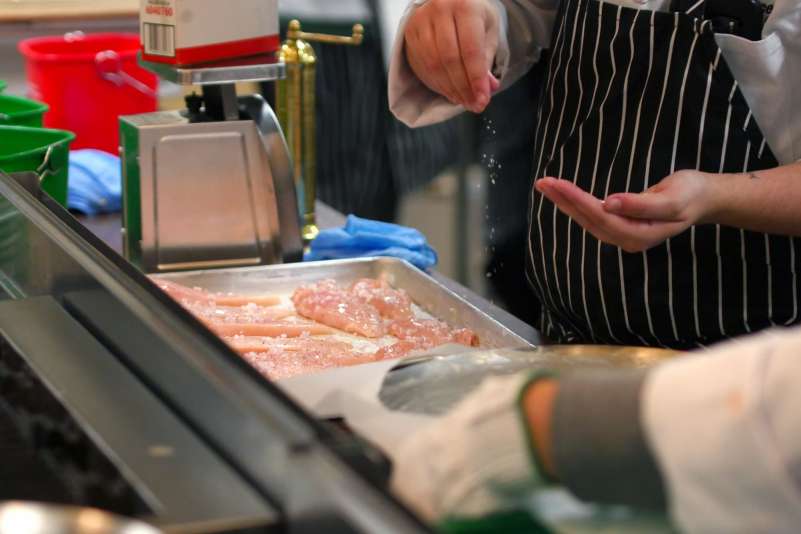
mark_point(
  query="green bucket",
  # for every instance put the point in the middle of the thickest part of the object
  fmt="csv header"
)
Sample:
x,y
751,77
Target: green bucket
x,y
17,111
39,150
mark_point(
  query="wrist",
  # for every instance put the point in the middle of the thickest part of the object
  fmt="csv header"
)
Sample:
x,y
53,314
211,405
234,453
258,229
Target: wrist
x,y
714,199
538,401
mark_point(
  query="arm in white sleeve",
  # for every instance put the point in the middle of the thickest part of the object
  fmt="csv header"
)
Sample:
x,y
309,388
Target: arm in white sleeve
x,y
725,429
524,31
715,438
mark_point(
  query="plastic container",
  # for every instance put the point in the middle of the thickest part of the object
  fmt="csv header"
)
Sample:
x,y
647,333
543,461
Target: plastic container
x,y
89,81
17,111
40,150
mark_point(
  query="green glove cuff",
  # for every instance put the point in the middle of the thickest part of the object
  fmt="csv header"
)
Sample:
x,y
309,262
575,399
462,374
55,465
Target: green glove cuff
x,y
513,522
536,458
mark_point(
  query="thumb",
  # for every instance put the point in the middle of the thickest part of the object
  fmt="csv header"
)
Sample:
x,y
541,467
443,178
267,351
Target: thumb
x,y
495,83
651,205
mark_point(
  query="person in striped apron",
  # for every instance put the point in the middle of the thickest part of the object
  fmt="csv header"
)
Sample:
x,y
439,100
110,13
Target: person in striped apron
x,y
690,103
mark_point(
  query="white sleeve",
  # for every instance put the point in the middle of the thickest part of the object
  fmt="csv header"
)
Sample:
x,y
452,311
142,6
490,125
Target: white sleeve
x,y
524,30
528,26
725,428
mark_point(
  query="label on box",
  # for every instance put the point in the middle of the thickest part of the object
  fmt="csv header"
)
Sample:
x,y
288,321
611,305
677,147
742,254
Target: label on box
x,y
158,27
186,32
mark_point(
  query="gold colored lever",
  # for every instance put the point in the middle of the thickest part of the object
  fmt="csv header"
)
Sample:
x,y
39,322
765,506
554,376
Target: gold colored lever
x,y
296,108
294,32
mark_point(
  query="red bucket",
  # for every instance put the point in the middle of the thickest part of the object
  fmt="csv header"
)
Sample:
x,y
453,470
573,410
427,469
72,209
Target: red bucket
x,y
89,81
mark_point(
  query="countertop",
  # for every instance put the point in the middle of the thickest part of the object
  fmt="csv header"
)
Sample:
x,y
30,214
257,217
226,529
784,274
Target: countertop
x,y
109,227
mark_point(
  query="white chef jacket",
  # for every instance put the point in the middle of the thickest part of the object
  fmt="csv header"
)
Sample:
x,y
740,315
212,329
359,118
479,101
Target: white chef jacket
x,y
725,429
768,71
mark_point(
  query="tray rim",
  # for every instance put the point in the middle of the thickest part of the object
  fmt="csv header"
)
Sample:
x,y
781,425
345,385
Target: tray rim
x,y
522,334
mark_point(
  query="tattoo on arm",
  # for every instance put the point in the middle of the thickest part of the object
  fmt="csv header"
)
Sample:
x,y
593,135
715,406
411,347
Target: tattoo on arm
x,y
753,176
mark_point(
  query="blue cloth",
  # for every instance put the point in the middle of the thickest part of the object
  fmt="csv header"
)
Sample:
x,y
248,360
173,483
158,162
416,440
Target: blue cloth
x,y
95,182
362,238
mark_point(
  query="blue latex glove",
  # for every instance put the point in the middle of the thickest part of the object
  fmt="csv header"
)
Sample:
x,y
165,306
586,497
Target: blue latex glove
x,y
95,182
362,238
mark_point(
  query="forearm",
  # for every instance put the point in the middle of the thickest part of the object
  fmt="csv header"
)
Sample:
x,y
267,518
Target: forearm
x,y
764,201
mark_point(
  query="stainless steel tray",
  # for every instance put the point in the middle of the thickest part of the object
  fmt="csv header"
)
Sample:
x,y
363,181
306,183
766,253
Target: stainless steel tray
x,y
426,291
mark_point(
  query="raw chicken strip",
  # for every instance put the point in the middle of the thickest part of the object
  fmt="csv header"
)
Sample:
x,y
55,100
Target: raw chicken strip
x,y
275,329
423,334
397,350
336,307
391,303
305,345
242,314
430,333
465,336
284,358
183,293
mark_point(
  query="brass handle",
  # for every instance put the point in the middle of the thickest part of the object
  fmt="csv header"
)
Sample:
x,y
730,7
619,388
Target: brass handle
x,y
295,99
294,32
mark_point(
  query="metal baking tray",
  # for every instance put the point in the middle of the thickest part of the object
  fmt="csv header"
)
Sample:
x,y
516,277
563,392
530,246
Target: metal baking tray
x,y
430,294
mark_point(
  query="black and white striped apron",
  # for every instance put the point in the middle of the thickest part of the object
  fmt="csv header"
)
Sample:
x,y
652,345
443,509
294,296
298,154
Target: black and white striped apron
x,y
632,96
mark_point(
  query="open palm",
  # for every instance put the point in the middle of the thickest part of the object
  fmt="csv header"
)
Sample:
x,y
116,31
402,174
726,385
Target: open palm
x,y
634,221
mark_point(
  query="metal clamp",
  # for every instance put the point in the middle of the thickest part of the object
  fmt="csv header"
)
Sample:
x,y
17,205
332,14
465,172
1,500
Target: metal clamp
x,y
44,170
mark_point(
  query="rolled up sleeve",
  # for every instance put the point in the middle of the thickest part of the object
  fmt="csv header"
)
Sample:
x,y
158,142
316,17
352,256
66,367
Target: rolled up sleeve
x,y
528,29
725,428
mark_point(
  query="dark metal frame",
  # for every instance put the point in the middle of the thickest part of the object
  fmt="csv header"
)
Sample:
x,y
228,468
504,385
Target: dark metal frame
x,y
318,479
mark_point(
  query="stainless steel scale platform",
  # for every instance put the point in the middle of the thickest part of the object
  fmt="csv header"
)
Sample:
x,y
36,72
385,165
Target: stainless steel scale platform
x,y
211,185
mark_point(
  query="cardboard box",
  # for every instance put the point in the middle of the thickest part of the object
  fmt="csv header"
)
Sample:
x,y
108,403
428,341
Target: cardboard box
x,y
190,32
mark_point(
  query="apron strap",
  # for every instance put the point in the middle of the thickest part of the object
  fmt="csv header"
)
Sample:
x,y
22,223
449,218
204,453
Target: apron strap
x,y
744,18
688,7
